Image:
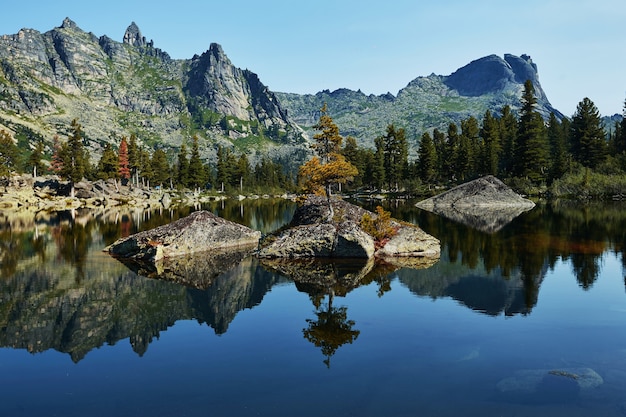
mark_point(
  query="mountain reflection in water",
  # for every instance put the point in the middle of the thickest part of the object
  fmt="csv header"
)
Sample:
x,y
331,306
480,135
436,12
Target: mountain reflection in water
x,y
59,291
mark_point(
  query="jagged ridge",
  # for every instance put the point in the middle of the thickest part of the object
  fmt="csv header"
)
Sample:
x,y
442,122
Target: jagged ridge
x,y
115,88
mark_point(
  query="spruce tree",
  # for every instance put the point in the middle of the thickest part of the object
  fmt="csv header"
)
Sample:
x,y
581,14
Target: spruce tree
x,y
396,156
492,146
182,167
427,159
75,162
378,166
108,166
531,151
557,138
159,168
588,139
8,153
197,176
508,137
35,159
621,138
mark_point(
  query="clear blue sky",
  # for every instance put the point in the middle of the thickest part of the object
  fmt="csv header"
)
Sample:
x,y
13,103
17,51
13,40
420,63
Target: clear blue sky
x,y
376,46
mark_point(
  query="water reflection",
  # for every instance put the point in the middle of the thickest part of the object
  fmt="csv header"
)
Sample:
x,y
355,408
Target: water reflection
x,y
484,219
58,291
568,231
323,280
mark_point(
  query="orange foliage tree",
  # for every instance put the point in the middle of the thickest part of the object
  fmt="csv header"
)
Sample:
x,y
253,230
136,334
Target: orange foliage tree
x,y
124,169
329,166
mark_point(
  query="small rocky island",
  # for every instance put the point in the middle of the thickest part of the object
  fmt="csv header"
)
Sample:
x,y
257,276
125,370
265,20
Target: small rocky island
x,y
334,228
485,204
320,228
200,232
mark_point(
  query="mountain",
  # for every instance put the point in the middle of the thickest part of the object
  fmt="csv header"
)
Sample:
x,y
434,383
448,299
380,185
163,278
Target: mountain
x,y
118,88
429,102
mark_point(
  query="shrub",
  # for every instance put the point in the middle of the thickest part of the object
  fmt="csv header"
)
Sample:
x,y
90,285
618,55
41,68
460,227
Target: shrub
x,y
379,227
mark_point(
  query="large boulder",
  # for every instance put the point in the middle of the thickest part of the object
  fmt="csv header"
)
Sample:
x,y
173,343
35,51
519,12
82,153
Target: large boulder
x,y
201,231
485,204
317,231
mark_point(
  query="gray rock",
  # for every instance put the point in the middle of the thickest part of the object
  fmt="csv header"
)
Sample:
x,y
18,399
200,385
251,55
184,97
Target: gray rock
x,y
315,231
485,204
530,380
199,232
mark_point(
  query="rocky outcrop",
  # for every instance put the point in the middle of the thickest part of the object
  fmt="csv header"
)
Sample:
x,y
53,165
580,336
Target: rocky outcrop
x,y
316,231
199,232
51,193
48,79
486,204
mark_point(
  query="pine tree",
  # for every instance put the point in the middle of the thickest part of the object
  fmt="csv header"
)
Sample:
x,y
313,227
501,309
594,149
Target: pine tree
x,y
108,166
354,155
588,139
492,146
449,168
197,178
439,140
56,164
75,162
182,168
396,156
557,138
134,158
225,170
427,158
378,164
508,136
327,140
243,171
160,168
8,154
122,161
329,166
35,159
621,138
531,151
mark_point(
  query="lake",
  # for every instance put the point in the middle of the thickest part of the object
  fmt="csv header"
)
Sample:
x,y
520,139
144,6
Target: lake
x,y
528,320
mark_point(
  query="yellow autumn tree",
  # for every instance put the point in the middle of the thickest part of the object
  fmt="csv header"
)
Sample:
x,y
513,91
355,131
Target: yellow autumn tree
x,y
329,167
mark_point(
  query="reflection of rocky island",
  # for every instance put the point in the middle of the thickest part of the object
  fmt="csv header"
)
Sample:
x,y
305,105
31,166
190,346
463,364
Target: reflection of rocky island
x,y
485,204
42,311
320,278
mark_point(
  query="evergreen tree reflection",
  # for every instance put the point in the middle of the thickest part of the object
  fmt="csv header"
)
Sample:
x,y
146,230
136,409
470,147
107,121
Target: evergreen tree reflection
x,y
331,329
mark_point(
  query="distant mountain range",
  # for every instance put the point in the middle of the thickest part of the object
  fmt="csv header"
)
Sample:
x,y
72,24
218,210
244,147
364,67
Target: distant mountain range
x,y
118,88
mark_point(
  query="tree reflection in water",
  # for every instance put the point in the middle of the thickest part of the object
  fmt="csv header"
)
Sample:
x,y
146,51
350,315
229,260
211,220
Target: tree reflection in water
x,y
331,330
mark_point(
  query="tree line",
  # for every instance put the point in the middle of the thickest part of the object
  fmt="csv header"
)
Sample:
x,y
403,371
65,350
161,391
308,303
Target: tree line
x,y
131,163
522,147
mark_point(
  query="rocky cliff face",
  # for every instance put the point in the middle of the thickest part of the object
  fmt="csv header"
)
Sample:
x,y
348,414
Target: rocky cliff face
x,y
488,83
117,88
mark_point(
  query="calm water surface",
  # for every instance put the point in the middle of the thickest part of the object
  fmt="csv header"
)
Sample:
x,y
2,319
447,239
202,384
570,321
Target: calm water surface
x,y
526,321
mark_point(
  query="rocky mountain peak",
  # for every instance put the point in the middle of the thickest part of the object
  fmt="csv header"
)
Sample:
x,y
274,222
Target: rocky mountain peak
x,y
133,36
68,24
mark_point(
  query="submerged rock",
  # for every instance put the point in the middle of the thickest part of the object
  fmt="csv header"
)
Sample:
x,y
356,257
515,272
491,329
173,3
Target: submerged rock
x,y
485,204
530,381
316,231
201,231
